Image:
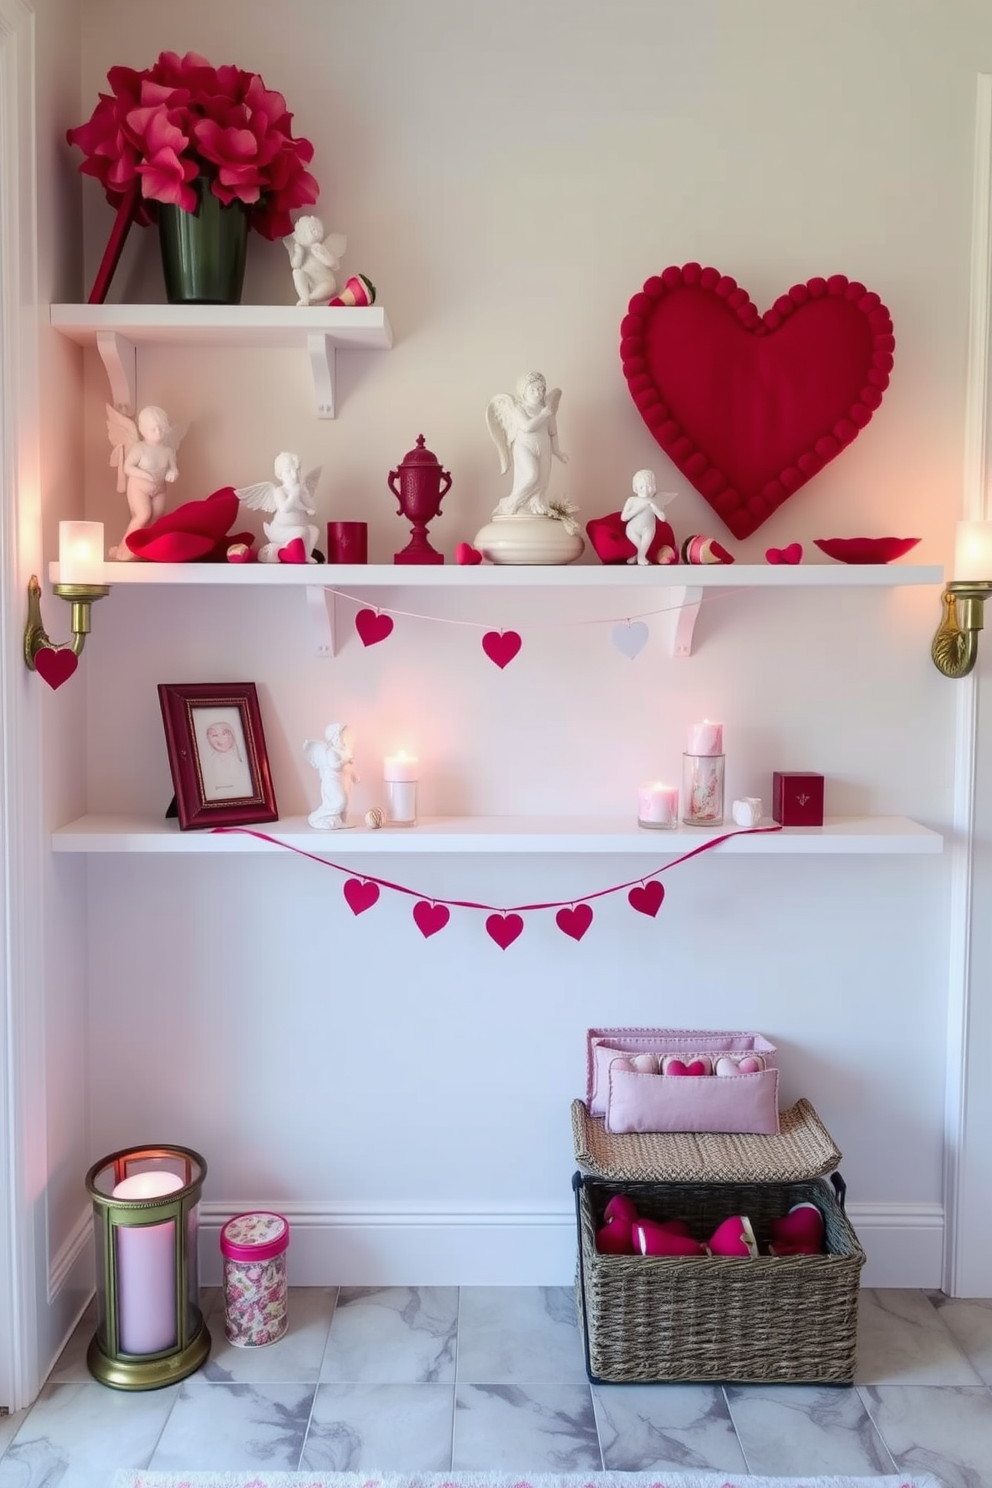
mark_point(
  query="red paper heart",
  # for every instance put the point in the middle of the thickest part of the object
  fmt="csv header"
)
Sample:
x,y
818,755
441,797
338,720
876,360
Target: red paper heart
x,y
504,929
360,895
465,553
372,627
792,554
749,407
646,898
294,552
55,667
501,646
574,920
430,918
608,536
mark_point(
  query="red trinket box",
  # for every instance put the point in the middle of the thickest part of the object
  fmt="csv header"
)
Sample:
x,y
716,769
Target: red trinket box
x,y
797,798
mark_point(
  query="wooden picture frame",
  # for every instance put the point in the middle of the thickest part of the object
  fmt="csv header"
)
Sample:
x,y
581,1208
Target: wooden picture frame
x,y
220,768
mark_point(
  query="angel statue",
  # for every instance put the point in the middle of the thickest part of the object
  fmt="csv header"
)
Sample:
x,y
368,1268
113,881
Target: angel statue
x,y
526,426
289,496
640,511
332,756
143,453
314,259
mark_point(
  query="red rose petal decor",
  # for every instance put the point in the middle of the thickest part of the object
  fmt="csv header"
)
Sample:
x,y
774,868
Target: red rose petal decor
x,y
360,896
372,627
501,646
865,549
749,407
574,920
792,554
55,667
647,898
504,929
430,918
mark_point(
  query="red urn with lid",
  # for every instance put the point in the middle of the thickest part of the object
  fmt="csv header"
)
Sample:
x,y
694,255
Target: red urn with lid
x,y
419,485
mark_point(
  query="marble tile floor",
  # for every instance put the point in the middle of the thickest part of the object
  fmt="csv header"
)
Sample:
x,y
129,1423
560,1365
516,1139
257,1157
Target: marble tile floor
x,y
438,1378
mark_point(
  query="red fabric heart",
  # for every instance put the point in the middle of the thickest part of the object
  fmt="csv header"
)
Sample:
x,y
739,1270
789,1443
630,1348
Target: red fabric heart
x,y
55,667
465,553
501,646
192,531
678,1067
574,921
749,407
294,552
372,627
611,544
360,895
504,929
647,898
792,554
430,918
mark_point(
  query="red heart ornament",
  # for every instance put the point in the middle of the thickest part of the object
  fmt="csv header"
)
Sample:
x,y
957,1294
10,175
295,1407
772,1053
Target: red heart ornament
x,y
504,929
360,895
465,553
574,920
294,551
750,407
792,554
372,627
647,898
501,646
55,667
430,918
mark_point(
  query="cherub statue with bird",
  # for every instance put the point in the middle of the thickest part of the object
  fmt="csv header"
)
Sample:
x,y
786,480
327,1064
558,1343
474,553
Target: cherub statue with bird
x,y
290,497
143,452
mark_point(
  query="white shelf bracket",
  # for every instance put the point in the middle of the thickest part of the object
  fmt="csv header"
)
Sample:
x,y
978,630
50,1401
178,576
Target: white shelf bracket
x,y
321,349
323,618
120,360
682,619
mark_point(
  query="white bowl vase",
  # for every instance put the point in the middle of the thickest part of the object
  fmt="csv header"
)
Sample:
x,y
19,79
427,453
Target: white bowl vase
x,y
526,538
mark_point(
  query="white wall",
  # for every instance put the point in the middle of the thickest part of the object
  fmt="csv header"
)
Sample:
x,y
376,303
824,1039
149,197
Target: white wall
x,y
509,182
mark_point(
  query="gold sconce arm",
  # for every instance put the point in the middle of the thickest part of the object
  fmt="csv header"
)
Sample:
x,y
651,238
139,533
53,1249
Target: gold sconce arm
x,y
81,597
955,646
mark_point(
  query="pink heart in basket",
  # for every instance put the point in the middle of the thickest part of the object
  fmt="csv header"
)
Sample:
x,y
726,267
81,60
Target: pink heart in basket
x,y
620,1207
574,920
652,1238
430,918
803,1225
734,1237
647,898
504,929
360,895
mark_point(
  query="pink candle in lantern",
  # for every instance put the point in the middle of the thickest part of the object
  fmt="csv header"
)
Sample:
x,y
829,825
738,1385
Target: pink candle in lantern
x,y
705,738
146,1270
658,806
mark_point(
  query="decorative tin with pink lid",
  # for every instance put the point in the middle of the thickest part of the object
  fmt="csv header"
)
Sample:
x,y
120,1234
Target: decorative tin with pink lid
x,y
254,1249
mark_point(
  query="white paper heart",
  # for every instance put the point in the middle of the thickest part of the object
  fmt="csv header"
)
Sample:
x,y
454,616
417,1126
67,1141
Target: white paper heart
x,y
630,637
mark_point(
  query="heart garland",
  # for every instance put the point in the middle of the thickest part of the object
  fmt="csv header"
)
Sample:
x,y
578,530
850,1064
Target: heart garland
x,y
504,929
630,638
574,920
749,407
647,898
360,895
501,646
55,664
372,627
430,918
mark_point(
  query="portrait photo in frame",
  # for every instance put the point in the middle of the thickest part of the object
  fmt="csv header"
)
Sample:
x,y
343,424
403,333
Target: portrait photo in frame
x,y
220,768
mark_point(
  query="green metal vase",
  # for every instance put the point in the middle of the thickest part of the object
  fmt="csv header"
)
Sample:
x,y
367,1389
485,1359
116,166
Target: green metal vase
x,y
204,252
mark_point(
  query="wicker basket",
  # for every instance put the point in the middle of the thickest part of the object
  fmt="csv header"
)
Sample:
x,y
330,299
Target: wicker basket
x,y
789,1319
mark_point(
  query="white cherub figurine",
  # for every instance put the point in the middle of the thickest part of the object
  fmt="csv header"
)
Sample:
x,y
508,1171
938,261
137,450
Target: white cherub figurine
x,y
289,496
332,756
143,452
640,512
526,427
314,259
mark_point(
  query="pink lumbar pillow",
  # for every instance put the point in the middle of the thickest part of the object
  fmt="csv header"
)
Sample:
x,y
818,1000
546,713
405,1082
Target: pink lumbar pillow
x,y
734,1237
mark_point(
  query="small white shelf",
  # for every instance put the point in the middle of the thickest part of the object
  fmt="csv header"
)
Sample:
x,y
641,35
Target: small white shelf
x,y
117,330
497,834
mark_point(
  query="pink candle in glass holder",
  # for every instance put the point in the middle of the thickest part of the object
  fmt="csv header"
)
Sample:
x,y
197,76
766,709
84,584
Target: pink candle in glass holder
x,y
705,738
146,1270
657,806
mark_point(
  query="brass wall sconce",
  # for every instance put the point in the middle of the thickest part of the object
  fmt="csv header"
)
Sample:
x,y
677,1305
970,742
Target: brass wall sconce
x,y
81,583
955,646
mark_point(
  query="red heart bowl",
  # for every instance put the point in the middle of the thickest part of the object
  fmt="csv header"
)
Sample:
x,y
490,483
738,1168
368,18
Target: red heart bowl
x,y
865,549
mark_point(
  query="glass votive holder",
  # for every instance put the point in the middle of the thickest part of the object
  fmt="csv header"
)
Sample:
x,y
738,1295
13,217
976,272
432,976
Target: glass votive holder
x,y
658,807
702,789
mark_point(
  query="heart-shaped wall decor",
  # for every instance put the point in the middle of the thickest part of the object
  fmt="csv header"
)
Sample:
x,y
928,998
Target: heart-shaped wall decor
x,y
430,918
574,920
372,627
501,646
55,665
504,929
647,898
360,895
750,407
630,637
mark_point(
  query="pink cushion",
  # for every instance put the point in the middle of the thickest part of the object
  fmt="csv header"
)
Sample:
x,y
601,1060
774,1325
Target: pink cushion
x,y
603,1045
692,1103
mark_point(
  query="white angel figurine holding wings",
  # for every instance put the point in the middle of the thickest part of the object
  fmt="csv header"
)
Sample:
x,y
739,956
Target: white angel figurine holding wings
x,y
525,428
314,260
290,497
144,456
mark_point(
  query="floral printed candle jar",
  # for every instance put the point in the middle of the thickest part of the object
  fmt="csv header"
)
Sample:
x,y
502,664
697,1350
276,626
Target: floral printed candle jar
x,y
254,1249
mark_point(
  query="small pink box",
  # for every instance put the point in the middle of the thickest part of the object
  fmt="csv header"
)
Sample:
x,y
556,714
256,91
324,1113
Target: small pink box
x,y
797,798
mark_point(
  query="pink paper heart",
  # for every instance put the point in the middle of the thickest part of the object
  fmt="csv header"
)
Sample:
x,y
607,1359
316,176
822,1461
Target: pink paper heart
x,y
678,1067
501,646
574,920
646,898
54,666
360,895
430,918
294,552
372,627
504,929
465,553
792,554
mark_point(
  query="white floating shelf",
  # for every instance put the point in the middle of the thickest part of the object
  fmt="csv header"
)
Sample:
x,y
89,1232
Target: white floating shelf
x,y
117,330
497,834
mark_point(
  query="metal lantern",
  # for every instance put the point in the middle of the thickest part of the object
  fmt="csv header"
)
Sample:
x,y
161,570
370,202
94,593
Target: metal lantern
x,y
150,1331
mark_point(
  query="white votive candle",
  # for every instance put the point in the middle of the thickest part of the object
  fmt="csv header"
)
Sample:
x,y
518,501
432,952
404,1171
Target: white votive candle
x,y
146,1270
705,738
973,551
658,805
80,552
400,773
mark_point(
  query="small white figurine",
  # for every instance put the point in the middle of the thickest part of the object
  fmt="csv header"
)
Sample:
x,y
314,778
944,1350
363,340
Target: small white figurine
x,y
144,456
314,259
289,496
640,512
332,756
526,428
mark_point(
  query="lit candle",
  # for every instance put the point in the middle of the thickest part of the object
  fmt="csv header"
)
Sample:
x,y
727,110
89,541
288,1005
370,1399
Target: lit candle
x,y
80,552
973,551
657,806
705,738
400,773
146,1271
